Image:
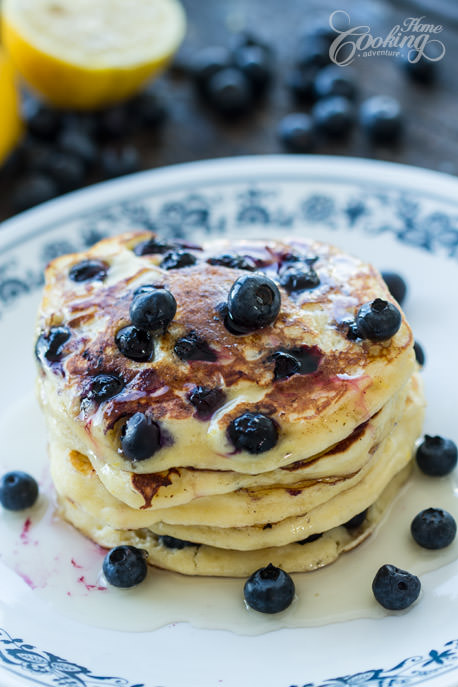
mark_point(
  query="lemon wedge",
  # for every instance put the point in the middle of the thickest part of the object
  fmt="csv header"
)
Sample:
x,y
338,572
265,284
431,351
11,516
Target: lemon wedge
x,y
86,54
10,122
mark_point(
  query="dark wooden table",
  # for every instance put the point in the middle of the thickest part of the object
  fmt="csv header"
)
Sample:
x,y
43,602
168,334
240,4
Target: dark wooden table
x,y
192,132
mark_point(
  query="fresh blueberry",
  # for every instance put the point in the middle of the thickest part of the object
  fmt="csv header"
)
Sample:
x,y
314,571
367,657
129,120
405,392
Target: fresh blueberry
x,y
395,589
247,39
436,456
193,347
334,116
419,68
140,437
114,122
40,120
177,259
68,171
125,566
235,261
378,320
33,190
87,270
78,144
381,118
298,276
116,163
296,132
356,520
254,302
18,490
419,353
148,109
206,400
153,310
51,345
313,51
104,386
153,247
433,528
230,92
286,365
207,62
253,432
269,590
396,285
301,360
301,83
333,80
136,344
256,64
174,543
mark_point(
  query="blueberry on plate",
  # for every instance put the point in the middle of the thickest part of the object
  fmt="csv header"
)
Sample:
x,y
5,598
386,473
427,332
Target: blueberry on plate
x,y
334,116
136,344
253,432
230,92
177,259
67,170
140,437
206,400
269,590
396,285
436,456
125,566
296,132
334,80
193,347
18,490
87,270
104,386
381,118
153,310
419,353
234,261
395,589
378,320
254,302
174,543
51,345
433,528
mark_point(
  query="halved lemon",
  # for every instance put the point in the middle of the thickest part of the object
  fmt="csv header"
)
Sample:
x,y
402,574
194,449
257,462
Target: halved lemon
x,y
10,121
86,54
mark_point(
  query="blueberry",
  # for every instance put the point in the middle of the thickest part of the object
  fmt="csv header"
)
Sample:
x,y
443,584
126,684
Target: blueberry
x,y
313,51
256,64
87,270
254,302
301,360
230,92
419,68
286,365
253,432
436,456
68,171
206,400
298,277
148,109
356,520
140,437
296,132
301,83
104,386
18,490
33,190
40,120
333,80
310,539
269,590
125,566
78,144
136,344
193,347
153,310
378,320
116,163
396,285
247,39
395,589
319,28
235,261
381,118
334,116
153,247
419,353
51,345
114,122
433,528
177,259
174,543
207,62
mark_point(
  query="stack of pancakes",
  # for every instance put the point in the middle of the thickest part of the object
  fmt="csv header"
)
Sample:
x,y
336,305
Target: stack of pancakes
x,y
347,420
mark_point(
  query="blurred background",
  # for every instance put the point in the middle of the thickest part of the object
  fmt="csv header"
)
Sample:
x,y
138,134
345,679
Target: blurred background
x,y
249,77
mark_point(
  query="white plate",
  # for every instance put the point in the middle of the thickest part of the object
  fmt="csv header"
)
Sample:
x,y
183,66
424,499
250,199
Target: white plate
x,y
400,218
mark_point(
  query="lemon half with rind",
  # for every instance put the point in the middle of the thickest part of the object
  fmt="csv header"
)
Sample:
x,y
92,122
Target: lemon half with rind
x,y
10,121
86,54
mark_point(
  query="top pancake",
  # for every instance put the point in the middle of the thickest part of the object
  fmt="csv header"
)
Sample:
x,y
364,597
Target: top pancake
x,y
313,411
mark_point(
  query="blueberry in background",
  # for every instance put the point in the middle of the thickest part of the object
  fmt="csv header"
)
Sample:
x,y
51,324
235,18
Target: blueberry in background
x,y
18,490
436,456
419,68
256,64
433,528
381,118
334,80
33,189
334,116
396,285
269,590
125,566
296,131
116,162
207,62
301,84
78,144
312,51
230,92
